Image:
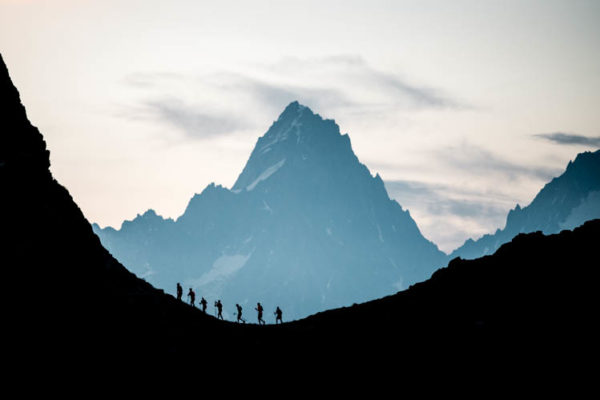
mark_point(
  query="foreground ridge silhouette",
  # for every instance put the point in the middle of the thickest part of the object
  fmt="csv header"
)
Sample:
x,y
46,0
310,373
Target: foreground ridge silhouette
x,y
534,299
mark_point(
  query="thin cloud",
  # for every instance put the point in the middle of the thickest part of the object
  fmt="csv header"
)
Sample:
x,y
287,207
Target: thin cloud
x,y
450,214
570,139
353,70
275,96
198,104
477,159
143,80
189,120
165,102
439,199
421,96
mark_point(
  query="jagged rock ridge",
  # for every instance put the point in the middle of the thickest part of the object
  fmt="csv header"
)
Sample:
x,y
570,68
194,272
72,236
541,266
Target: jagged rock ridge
x,y
564,203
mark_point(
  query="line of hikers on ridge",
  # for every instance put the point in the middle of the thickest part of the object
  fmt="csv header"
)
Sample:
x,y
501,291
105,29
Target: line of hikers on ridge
x,y
219,307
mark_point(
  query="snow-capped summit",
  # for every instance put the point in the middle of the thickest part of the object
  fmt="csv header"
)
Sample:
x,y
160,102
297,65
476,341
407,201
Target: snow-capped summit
x,y
297,139
305,227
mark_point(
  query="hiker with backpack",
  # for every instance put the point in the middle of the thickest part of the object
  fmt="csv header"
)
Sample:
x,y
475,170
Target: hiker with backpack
x,y
259,308
203,303
192,297
278,316
179,291
239,314
219,306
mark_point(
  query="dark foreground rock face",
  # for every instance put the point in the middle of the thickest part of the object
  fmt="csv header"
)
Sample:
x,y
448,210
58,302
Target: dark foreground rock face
x,y
67,297
66,294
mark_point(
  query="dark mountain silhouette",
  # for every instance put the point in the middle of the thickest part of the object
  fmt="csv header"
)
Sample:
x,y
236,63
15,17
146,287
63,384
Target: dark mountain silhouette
x,y
65,292
564,203
305,226
69,300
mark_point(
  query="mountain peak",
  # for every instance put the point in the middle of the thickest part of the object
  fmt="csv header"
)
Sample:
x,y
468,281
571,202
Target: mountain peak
x,y
298,138
293,121
296,115
305,221
565,202
585,161
294,108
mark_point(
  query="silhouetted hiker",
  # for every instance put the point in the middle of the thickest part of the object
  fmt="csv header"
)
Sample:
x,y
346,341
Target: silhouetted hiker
x,y
239,314
192,297
278,314
219,306
203,303
179,291
260,311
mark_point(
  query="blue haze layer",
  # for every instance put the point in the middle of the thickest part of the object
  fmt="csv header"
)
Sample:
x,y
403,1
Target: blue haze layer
x,y
305,227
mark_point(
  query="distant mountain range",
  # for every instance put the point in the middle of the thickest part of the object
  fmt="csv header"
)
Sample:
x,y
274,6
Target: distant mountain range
x,y
305,227
564,203
69,305
308,228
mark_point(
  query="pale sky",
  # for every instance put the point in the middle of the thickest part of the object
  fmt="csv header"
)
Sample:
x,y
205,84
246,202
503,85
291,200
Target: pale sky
x,y
465,108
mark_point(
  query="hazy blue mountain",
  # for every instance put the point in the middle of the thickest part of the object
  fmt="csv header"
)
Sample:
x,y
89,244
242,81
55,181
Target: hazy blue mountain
x,y
305,226
565,203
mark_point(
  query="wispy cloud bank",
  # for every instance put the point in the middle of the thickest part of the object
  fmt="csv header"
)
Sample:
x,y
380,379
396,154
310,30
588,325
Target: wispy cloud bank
x,y
440,199
353,73
452,213
206,104
276,95
570,139
420,96
479,160
192,122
